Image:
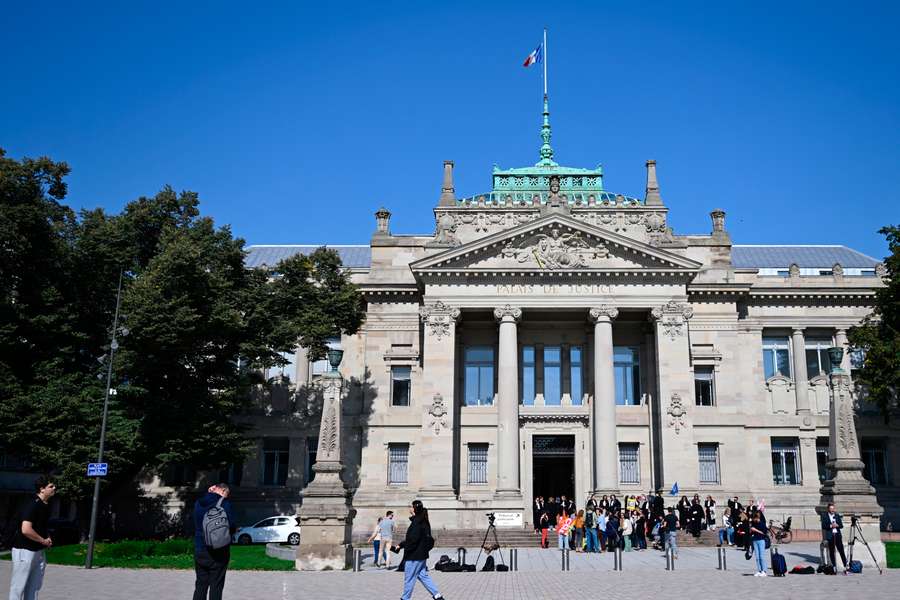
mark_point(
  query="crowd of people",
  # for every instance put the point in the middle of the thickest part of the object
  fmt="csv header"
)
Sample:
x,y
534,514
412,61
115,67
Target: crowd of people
x,y
641,522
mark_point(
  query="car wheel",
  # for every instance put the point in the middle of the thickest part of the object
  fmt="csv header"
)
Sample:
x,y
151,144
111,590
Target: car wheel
x,y
245,540
294,539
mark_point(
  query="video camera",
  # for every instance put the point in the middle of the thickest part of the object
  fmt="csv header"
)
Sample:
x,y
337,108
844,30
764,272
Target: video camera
x,y
491,517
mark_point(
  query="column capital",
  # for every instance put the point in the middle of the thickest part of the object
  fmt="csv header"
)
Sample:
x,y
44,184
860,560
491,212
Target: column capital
x,y
672,309
437,317
602,313
840,331
508,314
797,330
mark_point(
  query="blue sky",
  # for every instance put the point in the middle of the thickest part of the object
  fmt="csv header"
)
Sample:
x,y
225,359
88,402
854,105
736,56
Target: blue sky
x,y
296,121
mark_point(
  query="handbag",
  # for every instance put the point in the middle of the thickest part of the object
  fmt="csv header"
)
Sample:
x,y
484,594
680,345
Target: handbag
x,y
768,542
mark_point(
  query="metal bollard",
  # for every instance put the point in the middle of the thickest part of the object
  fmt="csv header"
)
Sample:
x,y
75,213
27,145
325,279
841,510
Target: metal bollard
x,y
513,559
723,558
670,559
565,559
357,560
617,560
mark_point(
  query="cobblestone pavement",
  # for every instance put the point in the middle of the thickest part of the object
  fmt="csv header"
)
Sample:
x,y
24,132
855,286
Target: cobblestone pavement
x,y
696,576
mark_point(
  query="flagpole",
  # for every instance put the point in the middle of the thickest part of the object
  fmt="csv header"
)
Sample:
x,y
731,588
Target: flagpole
x,y
545,61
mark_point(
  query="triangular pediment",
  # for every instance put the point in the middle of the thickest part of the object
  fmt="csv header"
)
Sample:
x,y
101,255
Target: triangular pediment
x,y
558,243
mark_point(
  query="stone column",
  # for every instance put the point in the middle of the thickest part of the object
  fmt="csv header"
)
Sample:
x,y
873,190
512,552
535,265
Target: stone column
x,y
302,375
606,450
848,489
508,401
326,516
436,448
801,378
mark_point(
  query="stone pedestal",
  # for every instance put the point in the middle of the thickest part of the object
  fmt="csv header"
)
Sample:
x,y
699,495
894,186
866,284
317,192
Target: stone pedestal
x,y
848,490
326,517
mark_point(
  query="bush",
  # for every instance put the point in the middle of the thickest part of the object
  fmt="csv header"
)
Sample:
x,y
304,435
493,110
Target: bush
x,y
128,549
173,547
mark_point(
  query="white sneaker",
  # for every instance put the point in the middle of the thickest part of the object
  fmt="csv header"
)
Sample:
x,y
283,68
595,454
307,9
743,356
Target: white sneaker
x,y
763,574
756,574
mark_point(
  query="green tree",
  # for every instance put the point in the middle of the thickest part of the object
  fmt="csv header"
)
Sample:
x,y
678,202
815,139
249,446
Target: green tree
x,y
879,334
201,326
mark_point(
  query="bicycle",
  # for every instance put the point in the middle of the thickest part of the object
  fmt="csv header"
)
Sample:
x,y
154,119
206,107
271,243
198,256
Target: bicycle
x,y
780,533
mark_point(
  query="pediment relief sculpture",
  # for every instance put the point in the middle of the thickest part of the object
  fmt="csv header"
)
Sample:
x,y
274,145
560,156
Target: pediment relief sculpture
x,y
556,250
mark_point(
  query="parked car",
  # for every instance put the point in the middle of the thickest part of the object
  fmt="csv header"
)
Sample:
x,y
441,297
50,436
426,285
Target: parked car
x,y
272,529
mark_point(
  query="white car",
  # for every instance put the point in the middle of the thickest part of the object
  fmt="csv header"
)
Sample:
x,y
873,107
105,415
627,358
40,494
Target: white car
x,y
273,529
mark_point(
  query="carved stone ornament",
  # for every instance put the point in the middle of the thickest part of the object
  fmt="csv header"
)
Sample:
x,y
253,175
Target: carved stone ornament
x,y
794,271
328,438
438,317
605,310
837,271
880,270
676,412
437,414
513,312
672,317
846,426
556,251
445,231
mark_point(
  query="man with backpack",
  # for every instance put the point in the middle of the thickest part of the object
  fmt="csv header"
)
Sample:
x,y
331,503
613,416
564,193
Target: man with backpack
x,y
29,542
590,529
213,526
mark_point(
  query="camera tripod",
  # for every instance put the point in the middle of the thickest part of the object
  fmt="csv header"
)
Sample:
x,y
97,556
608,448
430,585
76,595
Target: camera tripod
x,y
857,534
491,529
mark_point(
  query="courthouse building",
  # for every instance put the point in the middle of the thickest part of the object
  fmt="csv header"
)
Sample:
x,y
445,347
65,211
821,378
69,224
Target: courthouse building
x,y
551,337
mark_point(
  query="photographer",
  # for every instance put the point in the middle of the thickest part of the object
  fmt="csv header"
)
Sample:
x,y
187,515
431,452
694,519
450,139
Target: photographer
x,y
832,523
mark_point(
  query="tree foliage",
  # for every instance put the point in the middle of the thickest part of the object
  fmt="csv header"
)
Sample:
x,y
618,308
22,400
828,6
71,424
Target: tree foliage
x,y
200,326
879,335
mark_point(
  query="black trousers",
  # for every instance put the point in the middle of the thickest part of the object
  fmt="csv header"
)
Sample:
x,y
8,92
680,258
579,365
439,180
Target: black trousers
x,y
210,566
837,541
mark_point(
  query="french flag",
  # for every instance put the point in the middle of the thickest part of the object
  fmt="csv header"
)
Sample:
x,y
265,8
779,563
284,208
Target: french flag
x,y
536,56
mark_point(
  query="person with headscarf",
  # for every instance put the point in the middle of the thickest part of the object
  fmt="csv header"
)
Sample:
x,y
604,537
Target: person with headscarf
x,y
416,546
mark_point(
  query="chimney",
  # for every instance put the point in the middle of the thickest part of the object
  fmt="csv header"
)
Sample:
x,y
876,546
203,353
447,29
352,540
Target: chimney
x,y
718,220
652,197
448,197
382,221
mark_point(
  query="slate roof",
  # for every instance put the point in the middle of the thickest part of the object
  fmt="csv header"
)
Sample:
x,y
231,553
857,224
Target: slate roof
x,y
355,257
760,257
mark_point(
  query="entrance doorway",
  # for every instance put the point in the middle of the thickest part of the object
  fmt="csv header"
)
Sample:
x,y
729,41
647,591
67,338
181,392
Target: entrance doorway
x,y
553,465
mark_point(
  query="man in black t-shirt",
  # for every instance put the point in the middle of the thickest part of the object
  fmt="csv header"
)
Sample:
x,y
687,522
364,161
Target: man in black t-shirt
x,y
28,560
672,525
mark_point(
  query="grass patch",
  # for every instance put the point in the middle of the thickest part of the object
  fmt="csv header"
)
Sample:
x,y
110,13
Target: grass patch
x,y
893,554
171,554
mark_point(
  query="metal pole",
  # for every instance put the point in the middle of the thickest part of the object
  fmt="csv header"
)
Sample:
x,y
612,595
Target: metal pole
x,y
89,559
545,61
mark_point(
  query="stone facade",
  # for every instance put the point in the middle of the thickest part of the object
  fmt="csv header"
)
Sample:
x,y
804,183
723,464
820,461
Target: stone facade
x,y
506,326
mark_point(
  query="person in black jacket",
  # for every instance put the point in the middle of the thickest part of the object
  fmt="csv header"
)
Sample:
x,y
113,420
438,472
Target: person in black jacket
x,y
832,523
211,564
415,548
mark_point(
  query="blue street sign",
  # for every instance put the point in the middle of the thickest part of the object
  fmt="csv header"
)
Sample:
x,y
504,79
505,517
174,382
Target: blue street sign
x,y
97,469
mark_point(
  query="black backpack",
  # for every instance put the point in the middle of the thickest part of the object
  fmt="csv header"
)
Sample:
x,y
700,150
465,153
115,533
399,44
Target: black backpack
x,y
779,565
589,522
488,564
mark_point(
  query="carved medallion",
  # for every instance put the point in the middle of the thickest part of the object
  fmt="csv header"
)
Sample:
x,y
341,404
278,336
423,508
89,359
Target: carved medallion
x,y
672,317
437,414
676,412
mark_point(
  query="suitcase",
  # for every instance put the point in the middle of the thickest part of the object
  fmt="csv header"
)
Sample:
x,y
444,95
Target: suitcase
x,y
779,565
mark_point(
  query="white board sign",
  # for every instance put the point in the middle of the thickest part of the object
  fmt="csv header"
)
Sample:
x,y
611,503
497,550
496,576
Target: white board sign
x,y
508,519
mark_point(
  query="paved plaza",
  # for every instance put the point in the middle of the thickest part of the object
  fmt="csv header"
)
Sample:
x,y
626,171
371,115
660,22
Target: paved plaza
x,y
539,576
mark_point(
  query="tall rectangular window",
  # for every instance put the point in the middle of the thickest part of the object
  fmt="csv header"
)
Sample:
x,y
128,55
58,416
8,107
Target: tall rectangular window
x,y
629,463
704,386
576,370
822,458
785,461
275,460
400,383
478,463
312,451
628,375
776,356
708,455
875,461
528,375
398,464
817,360
321,366
552,375
479,374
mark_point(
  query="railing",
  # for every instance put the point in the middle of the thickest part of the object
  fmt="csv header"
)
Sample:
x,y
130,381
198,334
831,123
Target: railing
x,y
527,199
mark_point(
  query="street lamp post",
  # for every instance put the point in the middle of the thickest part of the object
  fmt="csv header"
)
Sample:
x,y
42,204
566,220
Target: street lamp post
x,y
113,346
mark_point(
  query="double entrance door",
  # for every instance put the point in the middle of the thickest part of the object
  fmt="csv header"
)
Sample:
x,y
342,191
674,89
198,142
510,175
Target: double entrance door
x,y
553,465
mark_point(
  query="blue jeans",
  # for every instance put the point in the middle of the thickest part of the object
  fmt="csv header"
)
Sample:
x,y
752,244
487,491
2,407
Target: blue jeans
x,y
377,545
592,540
759,551
563,541
726,535
417,569
672,541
